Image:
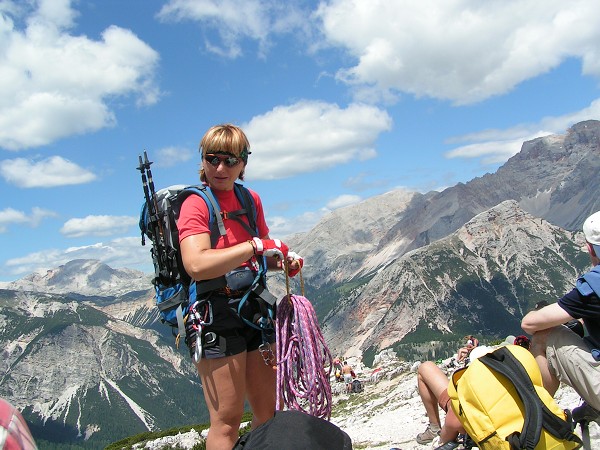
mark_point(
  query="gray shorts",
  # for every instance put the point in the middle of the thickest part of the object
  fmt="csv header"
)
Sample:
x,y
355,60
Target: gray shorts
x,y
570,359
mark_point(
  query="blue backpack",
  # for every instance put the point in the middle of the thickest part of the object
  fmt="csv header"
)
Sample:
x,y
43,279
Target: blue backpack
x,y
174,289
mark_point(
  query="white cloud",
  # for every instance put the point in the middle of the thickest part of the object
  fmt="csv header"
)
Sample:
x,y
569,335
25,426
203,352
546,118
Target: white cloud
x,y
463,51
98,226
56,84
343,200
236,20
118,253
494,152
172,156
10,216
310,136
50,172
281,227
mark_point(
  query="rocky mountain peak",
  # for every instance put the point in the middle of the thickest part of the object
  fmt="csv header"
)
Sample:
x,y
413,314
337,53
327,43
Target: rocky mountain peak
x,y
480,279
84,277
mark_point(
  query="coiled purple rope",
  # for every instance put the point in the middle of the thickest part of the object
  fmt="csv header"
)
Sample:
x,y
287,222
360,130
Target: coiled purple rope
x,y
302,355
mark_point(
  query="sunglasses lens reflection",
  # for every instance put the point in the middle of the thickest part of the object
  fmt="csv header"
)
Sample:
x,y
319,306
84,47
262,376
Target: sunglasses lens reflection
x,y
215,160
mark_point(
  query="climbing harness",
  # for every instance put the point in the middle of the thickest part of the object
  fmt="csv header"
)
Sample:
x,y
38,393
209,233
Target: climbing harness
x,y
302,356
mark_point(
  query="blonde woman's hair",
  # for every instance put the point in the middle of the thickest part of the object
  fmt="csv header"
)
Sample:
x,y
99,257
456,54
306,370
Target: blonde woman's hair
x,y
226,138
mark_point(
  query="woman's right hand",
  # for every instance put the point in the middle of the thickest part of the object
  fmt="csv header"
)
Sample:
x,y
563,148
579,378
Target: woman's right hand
x,y
270,247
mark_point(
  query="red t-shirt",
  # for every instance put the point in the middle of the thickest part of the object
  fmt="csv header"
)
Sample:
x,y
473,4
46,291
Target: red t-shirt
x,y
194,218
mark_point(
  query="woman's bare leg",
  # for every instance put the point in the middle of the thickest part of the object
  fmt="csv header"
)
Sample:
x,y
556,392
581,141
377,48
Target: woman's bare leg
x,y
224,384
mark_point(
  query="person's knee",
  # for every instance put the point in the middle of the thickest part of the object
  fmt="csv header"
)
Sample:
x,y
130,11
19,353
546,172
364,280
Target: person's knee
x,y
539,342
425,368
221,432
225,418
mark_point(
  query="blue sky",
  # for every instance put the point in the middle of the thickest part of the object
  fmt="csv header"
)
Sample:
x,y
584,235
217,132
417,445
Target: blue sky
x,y
341,100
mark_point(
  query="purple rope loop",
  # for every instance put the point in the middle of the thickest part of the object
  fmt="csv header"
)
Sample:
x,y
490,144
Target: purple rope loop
x,y
302,355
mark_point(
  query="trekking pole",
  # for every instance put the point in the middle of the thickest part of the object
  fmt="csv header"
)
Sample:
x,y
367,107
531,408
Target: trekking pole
x,y
147,164
141,168
158,244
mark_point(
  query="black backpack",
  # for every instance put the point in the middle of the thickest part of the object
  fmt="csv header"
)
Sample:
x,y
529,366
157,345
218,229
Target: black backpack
x,y
295,430
357,386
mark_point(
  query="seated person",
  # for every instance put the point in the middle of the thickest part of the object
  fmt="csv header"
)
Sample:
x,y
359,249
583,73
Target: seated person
x,y
464,352
562,353
432,384
433,388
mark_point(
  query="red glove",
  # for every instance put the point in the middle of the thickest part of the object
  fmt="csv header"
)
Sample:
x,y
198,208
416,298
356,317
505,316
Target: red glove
x,y
299,260
270,247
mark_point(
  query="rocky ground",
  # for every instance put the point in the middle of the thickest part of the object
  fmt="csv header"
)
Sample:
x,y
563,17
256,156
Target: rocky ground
x,y
388,413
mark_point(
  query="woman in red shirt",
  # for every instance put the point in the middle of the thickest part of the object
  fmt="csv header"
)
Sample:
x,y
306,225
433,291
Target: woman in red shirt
x,y
231,366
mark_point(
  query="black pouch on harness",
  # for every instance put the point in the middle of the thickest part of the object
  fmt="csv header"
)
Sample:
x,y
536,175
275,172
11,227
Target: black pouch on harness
x,y
240,278
295,430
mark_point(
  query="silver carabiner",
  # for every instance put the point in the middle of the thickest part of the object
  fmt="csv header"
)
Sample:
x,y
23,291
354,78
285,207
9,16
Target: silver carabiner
x,y
267,354
198,318
198,348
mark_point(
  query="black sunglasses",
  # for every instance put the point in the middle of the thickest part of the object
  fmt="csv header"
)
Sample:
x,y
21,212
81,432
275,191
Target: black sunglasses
x,y
229,161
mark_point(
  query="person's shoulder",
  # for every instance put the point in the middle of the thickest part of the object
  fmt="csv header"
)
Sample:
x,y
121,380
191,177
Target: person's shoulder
x,y
575,296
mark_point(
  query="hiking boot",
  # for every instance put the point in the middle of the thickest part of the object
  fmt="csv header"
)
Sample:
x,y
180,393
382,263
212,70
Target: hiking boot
x,y
467,442
448,446
430,433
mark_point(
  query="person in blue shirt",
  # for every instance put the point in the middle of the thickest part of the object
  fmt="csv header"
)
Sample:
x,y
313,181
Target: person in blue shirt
x,y
563,354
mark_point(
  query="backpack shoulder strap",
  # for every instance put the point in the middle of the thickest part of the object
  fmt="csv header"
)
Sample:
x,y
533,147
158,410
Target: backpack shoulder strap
x,y
503,362
248,209
247,201
216,215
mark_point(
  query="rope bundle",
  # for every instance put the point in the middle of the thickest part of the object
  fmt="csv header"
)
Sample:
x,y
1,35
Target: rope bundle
x,y
302,355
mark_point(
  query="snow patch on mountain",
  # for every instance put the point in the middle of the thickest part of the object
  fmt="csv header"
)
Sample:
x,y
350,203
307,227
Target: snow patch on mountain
x,y
142,414
60,408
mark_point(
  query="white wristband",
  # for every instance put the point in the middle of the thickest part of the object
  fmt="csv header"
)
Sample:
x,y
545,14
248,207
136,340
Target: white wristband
x,y
259,245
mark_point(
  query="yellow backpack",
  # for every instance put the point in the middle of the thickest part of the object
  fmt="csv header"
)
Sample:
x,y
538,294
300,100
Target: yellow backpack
x,y
501,402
